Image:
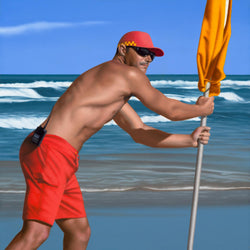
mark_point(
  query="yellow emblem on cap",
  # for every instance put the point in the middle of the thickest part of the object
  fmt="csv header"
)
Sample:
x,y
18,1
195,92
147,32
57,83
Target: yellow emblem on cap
x,y
128,43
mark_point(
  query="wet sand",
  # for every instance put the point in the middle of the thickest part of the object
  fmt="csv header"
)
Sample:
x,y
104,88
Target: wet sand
x,y
153,227
143,219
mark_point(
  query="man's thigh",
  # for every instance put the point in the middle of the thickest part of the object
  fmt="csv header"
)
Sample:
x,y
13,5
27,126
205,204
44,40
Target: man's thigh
x,y
72,204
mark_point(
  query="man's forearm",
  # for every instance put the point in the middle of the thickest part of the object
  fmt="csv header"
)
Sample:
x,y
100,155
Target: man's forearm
x,y
182,111
156,138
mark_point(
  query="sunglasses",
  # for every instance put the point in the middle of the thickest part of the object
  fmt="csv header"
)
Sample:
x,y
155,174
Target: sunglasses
x,y
143,52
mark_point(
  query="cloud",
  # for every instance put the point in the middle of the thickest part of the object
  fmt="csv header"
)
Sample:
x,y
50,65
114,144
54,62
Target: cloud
x,y
41,26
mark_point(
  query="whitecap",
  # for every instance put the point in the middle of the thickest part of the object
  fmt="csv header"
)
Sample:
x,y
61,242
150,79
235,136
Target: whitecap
x,y
36,84
154,119
19,122
234,84
173,96
230,96
28,93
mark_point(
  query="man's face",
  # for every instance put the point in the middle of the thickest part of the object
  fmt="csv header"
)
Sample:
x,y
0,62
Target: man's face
x,y
132,58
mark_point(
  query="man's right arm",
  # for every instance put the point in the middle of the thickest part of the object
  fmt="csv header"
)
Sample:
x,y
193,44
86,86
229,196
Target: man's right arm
x,y
167,107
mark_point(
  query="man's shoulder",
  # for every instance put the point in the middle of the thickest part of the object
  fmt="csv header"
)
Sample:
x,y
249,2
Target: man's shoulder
x,y
118,71
136,75
131,72
121,66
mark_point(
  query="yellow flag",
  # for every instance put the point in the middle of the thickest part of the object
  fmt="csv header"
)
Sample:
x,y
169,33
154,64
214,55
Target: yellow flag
x,y
212,49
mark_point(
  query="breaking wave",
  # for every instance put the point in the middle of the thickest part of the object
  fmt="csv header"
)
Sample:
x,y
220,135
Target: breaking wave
x,y
25,92
31,122
36,84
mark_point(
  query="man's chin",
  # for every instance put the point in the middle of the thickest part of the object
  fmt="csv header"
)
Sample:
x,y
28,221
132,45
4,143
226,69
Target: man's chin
x,y
144,69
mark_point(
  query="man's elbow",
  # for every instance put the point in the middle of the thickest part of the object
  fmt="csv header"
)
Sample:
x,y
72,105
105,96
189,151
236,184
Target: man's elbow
x,y
141,137
144,142
174,117
138,135
136,138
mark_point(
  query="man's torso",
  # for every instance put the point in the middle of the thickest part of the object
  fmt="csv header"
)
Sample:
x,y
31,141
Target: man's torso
x,y
92,100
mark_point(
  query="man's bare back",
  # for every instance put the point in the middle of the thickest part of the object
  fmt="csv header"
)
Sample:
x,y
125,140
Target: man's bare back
x,y
92,100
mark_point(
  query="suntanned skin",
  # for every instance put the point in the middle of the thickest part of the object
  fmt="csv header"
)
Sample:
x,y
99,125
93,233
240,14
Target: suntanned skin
x,y
101,94
96,97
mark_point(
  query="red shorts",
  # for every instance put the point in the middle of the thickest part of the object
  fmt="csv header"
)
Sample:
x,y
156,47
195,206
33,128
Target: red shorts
x,y
52,190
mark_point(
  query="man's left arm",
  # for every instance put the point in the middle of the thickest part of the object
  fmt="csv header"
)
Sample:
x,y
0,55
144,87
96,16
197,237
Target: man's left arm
x,y
141,133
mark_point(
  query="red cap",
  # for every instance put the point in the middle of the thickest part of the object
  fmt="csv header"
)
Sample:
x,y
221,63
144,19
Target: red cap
x,y
140,39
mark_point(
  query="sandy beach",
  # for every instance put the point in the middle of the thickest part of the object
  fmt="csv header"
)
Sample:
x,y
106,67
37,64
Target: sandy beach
x,y
143,219
152,227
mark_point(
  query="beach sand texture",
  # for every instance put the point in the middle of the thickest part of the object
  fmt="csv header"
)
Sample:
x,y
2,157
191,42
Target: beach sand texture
x,y
142,219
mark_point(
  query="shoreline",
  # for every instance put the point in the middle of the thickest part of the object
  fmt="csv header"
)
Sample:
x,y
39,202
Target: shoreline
x,y
12,204
12,190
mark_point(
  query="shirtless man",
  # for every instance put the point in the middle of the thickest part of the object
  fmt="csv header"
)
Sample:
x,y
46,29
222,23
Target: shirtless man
x,y
93,99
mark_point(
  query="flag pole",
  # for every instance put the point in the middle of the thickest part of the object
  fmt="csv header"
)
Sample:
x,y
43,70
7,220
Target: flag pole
x,y
197,181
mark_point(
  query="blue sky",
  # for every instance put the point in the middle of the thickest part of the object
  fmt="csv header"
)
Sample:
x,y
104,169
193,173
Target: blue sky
x,y
69,37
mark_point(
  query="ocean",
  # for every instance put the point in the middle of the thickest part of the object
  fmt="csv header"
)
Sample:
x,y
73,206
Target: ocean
x,y
111,162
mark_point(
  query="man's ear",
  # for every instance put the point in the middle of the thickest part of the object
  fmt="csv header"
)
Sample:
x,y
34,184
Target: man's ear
x,y
122,49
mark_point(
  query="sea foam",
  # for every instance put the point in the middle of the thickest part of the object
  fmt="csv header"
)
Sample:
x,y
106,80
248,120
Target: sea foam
x,y
31,122
234,84
19,122
27,93
154,119
230,96
36,84
144,188
173,96
156,83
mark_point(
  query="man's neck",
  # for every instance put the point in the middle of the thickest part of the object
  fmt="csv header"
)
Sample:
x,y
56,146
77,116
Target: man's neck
x,y
119,59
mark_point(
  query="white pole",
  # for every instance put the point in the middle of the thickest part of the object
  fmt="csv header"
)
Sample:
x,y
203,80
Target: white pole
x,y
197,182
